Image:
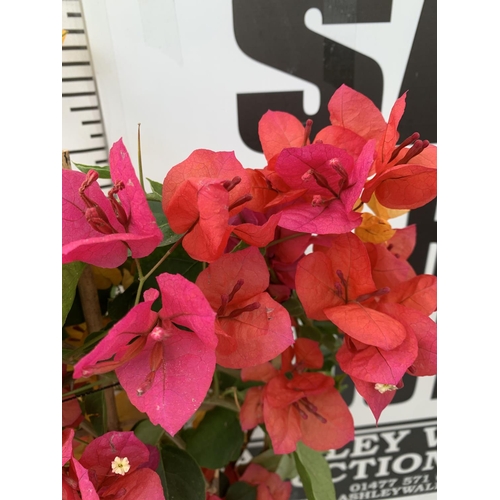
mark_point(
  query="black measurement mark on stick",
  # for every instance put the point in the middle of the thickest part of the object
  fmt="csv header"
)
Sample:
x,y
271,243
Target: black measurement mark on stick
x,y
78,79
76,151
77,94
76,63
84,108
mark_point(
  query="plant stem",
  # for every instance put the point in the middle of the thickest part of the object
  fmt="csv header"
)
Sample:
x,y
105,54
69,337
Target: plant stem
x,y
143,279
216,385
141,178
286,238
177,440
224,403
88,428
93,319
229,371
82,391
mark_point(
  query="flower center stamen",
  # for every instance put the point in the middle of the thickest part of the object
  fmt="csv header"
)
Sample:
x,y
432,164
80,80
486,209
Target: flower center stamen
x,y
117,206
240,201
133,349
415,150
250,307
94,214
120,465
307,131
341,288
382,388
146,385
344,177
225,299
229,185
376,293
409,140
320,179
302,413
312,409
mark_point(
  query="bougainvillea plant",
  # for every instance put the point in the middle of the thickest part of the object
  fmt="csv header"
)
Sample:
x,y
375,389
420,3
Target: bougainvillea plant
x,y
225,301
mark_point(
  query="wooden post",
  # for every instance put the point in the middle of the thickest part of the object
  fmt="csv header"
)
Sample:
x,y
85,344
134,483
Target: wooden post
x,y
93,318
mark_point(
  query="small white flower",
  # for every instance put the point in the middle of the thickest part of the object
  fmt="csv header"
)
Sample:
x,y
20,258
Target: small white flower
x,y
120,465
385,388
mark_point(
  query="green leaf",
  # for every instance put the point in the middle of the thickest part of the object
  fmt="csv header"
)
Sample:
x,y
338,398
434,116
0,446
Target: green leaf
x,y
148,433
169,237
241,491
327,327
102,171
153,197
286,468
180,475
70,275
96,410
157,187
310,332
179,262
314,473
283,465
241,245
268,460
217,440
293,306
122,303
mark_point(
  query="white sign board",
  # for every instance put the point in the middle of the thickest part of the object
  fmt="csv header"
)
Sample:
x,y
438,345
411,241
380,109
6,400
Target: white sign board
x,y
199,74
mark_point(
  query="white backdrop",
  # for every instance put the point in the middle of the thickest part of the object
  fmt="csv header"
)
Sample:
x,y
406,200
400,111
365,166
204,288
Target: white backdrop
x,y
177,68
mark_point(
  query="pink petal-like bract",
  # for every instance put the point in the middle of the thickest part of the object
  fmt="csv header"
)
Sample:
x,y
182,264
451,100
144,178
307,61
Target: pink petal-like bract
x,y
367,325
251,409
256,235
425,331
403,242
169,375
85,484
418,293
306,408
140,320
373,364
138,483
279,130
333,181
318,278
391,135
81,242
221,165
376,401
67,444
354,111
143,484
314,281
184,304
99,454
180,384
252,327
342,138
387,269
270,485
339,427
